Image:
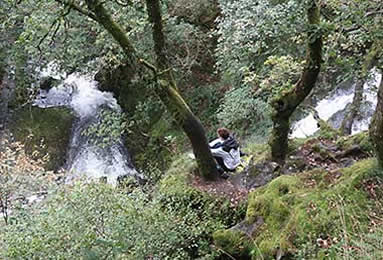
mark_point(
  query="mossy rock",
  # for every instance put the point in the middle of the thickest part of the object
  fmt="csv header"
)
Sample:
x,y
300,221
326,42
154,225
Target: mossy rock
x,y
300,210
44,132
326,131
233,242
361,139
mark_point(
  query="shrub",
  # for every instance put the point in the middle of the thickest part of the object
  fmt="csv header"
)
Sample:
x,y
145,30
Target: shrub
x,y
240,109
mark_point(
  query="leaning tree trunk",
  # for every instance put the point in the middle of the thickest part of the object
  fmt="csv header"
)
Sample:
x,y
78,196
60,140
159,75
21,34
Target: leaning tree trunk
x,y
376,126
174,102
348,121
167,90
285,104
368,63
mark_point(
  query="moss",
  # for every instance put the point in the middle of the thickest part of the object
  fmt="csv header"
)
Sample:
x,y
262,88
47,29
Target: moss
x,y
273,205
234,243
295,143
44,132
176,192
361,139
326,131
258,152
298,210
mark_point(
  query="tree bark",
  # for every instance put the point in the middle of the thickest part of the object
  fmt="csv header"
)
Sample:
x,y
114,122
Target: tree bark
x,y
101,16
285,104
376,126
167,90
348,120
368,63
174,102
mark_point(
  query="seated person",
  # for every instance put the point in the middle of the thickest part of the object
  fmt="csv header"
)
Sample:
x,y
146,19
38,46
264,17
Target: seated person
x,y
225,150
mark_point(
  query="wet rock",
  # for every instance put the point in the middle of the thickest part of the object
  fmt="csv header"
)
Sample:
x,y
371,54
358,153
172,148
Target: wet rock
x,y
335,121
256,175
249,228
347,162
48,83
45,133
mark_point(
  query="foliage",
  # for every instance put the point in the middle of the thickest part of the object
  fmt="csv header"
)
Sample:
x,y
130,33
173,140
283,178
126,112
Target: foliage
x,y
191,50
250,31
95,220
281,73
201,13
76,39
249,104
108,128
355,28
22,178
240,108
207,99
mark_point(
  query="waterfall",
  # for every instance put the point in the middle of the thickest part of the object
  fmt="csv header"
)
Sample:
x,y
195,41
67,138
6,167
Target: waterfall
x,y
85,157
337,102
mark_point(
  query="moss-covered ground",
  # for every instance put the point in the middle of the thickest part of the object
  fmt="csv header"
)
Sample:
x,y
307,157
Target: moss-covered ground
x,y
322,212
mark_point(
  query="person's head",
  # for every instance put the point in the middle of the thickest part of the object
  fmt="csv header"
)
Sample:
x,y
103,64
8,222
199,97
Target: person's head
x,y
223,133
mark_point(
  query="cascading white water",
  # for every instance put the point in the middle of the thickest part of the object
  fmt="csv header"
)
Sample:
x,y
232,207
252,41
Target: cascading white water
x,y
329,106
80,93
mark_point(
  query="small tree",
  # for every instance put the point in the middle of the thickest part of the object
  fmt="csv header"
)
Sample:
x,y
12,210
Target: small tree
x,y
369,62
376,126
286,103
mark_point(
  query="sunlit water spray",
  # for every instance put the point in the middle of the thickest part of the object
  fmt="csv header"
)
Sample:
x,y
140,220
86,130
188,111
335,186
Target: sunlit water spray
x,y
85,158
338,101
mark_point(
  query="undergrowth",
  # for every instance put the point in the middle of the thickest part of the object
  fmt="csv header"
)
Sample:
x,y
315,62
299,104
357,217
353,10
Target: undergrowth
x,y
317,215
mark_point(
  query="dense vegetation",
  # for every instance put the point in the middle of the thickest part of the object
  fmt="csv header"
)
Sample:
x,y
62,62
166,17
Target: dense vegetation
x,y
179,69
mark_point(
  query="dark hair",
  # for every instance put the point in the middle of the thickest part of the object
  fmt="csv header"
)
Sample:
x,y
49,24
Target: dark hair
x,y
223,132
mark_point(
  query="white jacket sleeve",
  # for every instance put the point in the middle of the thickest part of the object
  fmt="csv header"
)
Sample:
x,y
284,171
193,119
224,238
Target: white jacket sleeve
x,y
218,152
214,142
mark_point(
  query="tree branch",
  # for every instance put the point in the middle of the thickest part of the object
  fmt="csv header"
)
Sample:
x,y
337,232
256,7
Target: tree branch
x,y
73,6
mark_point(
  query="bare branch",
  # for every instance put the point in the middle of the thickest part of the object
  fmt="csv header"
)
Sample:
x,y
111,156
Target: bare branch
x,y
47,34
149,66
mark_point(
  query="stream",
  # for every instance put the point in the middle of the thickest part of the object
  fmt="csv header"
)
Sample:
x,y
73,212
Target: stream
x,y
331,109
85,158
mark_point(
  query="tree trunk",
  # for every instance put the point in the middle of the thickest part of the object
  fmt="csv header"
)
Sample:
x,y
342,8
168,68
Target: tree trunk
x,y
101,16
167,90
285,104
174,102
376,126
348,120
368,63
